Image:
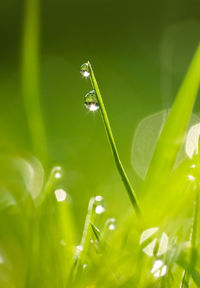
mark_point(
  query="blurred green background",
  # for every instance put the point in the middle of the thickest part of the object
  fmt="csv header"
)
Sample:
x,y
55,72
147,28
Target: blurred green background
x,y
140,51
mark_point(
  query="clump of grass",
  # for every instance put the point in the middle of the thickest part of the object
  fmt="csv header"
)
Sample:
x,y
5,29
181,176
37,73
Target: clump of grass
x,y
159,249
39,246
161,172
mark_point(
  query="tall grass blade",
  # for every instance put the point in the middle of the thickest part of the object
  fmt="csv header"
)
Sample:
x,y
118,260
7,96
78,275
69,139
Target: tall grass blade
x,y
30,78
172,135
127,184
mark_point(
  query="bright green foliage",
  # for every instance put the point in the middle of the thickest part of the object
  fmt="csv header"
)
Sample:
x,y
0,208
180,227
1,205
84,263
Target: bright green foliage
x,y
156,247
159,248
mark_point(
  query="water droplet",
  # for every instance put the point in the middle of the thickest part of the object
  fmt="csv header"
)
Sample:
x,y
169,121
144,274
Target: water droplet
x,y
57,172
191,178
111,227
61,195
99,209
91,102
159,269
99,198
99,205
84,266
111,224
79,249
84,70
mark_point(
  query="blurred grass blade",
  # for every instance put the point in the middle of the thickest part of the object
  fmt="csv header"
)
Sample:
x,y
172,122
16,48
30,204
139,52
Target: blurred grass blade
x,y
183,262
83,248
96,232
67,233
87,231
174,130
193,240
30,78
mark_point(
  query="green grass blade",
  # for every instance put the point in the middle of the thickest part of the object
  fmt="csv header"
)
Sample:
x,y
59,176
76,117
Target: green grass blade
x,y
127,184
30,78
96,232
83,248
193,237
174,130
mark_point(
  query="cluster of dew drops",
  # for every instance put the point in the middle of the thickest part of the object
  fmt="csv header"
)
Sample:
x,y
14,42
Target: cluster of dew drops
x,y
91,102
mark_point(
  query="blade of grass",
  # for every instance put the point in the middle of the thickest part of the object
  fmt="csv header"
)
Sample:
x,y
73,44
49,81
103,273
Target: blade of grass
x,y
66,229
87,231
96,231
55,174
174,130
127,184
193,238
83,248
30,78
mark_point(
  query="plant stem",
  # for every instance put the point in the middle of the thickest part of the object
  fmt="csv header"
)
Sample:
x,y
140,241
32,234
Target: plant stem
x,y
124,177
30,78
85,242
87,231
193,235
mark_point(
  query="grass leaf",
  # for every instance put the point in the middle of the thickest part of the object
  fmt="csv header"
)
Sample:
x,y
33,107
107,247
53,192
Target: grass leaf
x,y
173,133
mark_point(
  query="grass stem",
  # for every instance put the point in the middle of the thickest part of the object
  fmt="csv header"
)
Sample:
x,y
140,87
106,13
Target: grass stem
x,y
124,177
31,78
193,235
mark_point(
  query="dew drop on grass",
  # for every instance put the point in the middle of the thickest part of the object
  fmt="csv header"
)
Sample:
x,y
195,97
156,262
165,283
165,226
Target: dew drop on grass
x,y
60,194
99,209
84,70
191,178
111,223
99,205
91,102
79,249
99,199
111,227
57,172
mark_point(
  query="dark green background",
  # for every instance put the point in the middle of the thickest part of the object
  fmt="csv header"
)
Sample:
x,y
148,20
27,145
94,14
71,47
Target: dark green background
x,y
140,51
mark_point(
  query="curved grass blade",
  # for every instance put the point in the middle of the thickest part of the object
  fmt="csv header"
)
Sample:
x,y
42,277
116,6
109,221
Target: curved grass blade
x,y
127,184
172,135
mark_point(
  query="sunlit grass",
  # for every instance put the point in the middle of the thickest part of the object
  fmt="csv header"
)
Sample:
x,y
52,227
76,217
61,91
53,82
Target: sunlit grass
x,y
158,249
39,243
